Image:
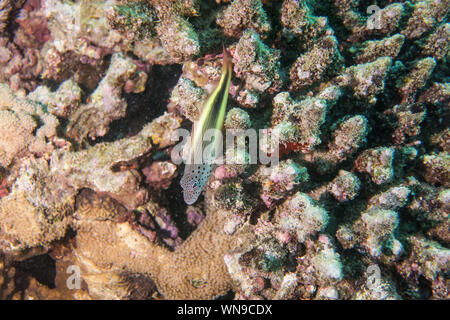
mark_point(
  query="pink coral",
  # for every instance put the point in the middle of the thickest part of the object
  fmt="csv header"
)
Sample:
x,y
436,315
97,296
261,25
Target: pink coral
x,y
160,174
3,188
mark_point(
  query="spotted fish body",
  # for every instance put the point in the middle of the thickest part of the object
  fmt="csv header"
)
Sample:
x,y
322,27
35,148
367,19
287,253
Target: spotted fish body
x,y
212,117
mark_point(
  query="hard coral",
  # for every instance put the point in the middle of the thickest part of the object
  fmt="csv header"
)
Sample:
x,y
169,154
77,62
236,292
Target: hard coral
x,y
105,104
321,61
256,64
35,212
299,22
195,270
241,15
26,128
362,149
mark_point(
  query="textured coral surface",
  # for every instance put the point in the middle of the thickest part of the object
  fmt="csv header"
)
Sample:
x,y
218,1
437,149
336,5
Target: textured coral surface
x,y
92,97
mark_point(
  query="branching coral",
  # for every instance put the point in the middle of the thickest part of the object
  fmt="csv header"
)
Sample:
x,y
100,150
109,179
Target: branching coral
x,y
298,21
387,47
430,260
256,64
425,16
367,80
244,14
320,62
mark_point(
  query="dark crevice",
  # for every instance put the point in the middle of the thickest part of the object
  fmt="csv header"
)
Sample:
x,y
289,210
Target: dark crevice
x,y
144,107
42,268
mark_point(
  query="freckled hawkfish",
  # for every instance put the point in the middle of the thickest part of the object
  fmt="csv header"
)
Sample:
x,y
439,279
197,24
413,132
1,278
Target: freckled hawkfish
x,y
203,153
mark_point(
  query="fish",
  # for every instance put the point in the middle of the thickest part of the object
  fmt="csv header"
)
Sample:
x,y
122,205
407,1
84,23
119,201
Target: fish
x,y
196,173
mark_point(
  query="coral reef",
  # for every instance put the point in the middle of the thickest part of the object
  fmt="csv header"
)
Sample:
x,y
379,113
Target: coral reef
x,y
256,64
346,101
25,128
241,15
20,57
320,62
106,104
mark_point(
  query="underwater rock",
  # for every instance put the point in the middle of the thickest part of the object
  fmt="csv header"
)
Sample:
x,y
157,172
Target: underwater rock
x,y
7,273
100,168
23,32
20,68
5,8
194,270
86,30
160,174
37,211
